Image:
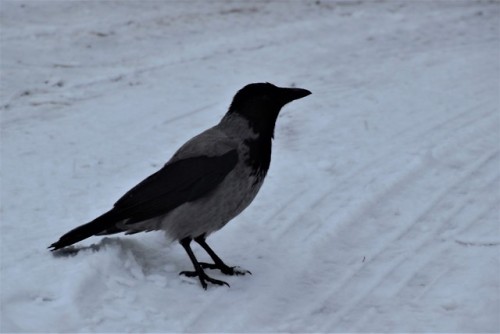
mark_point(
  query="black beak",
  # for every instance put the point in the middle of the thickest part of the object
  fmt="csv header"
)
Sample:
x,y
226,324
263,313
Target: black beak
x,y
291,94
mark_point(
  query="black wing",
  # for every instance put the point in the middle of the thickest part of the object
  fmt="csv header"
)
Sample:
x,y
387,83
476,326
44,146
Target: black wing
x,y
176,183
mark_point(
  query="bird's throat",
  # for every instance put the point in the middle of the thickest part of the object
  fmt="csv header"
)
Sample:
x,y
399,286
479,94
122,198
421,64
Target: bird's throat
x,y
259,154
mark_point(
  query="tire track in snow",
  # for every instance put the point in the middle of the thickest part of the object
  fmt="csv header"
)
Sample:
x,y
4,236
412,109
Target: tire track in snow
x,y
410,243
481,125
348,285
426,133
447,126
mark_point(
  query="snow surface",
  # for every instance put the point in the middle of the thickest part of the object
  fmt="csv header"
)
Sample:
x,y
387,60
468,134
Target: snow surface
x,y
381,209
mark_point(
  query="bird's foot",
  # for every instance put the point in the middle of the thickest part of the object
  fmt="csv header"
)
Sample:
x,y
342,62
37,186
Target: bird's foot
x,y
226,270
204,278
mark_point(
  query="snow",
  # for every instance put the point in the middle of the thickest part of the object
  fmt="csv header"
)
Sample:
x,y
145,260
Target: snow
x,y
380,212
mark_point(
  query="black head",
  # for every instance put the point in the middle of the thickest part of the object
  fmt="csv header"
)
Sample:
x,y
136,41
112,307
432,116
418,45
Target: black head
x,y
261,103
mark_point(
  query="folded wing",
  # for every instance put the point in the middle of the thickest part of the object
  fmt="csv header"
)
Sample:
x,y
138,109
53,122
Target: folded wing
x,y
175,184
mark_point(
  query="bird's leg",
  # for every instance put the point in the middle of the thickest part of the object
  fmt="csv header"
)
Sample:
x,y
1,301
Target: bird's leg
x,y
218,263
198,270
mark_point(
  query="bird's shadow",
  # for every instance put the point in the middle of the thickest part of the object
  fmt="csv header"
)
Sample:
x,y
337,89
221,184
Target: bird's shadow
x,y
137,248
148,256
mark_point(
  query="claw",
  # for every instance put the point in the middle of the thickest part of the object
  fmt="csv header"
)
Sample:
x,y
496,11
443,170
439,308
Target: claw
x,y
240,272
203,278
231,271
189,273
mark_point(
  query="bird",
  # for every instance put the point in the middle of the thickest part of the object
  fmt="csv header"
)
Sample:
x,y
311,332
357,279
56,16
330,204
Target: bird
x,y
207,182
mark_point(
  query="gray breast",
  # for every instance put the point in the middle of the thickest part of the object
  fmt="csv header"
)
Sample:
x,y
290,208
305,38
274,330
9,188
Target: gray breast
x,y
212,212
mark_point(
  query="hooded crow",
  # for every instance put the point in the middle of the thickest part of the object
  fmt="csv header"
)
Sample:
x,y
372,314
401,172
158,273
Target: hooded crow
x,y
210,180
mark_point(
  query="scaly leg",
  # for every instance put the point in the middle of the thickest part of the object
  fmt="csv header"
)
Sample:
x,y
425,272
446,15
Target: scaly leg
x,y
198,270
218,263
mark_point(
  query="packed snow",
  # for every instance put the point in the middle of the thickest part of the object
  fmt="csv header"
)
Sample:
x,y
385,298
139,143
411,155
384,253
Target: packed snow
x,y
380,211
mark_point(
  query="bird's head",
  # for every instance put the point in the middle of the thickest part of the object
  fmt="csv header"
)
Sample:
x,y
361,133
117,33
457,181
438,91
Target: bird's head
x,y
260,104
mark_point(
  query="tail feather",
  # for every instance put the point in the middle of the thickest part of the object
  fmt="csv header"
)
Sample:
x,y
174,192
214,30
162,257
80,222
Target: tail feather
x,y
103,223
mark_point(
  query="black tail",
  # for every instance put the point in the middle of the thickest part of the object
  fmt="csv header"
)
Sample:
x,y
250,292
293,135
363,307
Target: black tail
x,y
103,223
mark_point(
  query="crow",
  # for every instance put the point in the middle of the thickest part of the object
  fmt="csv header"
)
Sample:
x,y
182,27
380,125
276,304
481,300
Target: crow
x,y
210,180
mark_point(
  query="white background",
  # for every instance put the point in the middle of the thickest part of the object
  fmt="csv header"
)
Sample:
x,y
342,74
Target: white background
x,y
381,208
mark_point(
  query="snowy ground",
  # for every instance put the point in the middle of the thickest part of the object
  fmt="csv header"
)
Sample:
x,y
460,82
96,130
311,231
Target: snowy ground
x,y
381,208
